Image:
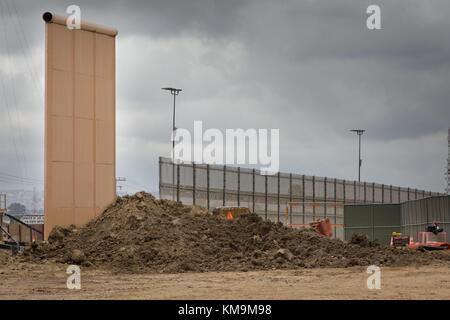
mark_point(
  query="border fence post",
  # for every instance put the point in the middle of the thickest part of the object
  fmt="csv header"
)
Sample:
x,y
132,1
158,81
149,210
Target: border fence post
x,y
365,192
303,198
253,189
373,192
193,183
278,197
343,183
178,182
290,187
314,197
224,184
335,205
265,195
290,198
160,175
382,193
239,186
325,196
207,187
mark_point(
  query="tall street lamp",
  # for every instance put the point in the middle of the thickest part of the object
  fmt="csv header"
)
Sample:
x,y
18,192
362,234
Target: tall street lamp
x,y
359,132
174,92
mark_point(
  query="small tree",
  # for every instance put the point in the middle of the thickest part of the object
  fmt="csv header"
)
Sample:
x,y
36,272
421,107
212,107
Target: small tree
x,y
16,209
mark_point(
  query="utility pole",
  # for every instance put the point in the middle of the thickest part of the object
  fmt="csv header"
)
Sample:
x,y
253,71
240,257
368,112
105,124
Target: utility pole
x,y
174,92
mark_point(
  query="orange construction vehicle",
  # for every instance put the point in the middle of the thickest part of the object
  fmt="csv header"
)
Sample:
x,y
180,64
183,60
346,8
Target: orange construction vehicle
x,y
323,227
434,238
231,213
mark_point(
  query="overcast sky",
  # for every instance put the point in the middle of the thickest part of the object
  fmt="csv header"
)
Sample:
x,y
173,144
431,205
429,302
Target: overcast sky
x,y
310,68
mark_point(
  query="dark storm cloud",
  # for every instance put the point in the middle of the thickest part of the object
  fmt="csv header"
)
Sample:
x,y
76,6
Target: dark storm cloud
x,y
310,68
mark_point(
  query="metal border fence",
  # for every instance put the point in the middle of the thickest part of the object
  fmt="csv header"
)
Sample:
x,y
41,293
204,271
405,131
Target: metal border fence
x,y
376,221
417,214
212,186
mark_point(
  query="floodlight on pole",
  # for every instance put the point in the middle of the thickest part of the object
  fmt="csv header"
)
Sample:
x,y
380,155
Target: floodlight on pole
x,y
174,92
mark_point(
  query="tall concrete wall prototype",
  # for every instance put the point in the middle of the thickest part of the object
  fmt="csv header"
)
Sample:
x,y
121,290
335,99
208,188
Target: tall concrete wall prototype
x,y
79,122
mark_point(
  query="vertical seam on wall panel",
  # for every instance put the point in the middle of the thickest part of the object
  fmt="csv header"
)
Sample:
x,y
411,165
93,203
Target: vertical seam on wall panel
x,y
48,113
114,115
73,125
94,144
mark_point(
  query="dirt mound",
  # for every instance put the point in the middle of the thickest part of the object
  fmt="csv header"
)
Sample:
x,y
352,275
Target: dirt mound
x,y
4,257
141,234
363,240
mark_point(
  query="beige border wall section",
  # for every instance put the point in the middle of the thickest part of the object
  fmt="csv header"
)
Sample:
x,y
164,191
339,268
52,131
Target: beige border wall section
x,y
79,123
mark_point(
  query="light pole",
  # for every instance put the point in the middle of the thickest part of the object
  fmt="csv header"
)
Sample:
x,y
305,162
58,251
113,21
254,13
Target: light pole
x,y
174,92
359,132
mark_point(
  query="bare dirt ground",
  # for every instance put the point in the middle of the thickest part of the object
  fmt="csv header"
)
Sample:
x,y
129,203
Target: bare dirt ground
x,y
144,248
48,281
